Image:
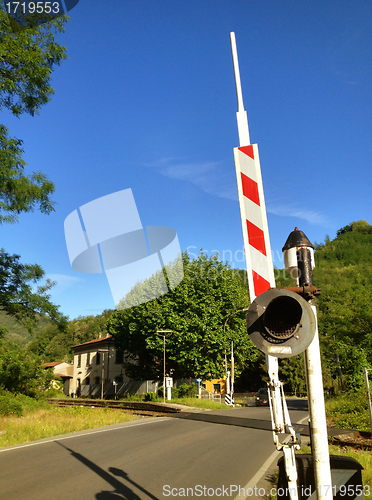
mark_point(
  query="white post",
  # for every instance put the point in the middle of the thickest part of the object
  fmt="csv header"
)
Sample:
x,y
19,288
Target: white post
x,y
232,369
241,115
368,395
318,423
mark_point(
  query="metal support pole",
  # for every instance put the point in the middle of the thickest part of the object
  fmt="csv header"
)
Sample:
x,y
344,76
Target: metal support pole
x,y
164,368
232,369
303,260
102,375
162,333
368,395
318,423
103,351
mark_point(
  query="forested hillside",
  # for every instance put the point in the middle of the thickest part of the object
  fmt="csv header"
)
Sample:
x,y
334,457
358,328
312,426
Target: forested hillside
x,y
344,273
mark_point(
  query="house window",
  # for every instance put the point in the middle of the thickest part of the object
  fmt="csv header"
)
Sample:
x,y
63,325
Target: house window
x,y
87,381
79,361
88,358
119,379
98,358
119,358
216,388
97,380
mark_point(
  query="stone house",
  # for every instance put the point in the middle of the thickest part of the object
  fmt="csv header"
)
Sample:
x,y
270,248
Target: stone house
x,y
96,363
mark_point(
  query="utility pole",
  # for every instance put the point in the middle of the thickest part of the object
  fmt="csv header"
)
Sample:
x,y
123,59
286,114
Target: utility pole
x,y
162,333
103,351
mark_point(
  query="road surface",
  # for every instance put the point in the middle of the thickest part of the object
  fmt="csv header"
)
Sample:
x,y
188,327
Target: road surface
x,y
151,458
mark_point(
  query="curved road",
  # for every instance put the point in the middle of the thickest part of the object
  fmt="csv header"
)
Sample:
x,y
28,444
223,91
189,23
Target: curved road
x,y
151,458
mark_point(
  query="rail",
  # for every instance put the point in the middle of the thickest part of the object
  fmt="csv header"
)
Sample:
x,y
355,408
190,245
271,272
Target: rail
x,y
137,407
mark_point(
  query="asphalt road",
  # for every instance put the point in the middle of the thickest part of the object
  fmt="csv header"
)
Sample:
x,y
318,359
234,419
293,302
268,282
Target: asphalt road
x,y
152,458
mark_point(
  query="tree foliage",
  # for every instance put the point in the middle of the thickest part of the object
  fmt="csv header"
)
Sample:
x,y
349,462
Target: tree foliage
x,y
195,311
17,296
28,55
52,344
21,371
344,273
19,192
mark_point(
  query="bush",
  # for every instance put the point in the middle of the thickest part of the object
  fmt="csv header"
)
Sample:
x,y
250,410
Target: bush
x,y
187,391
10,406
150,396
175,393
349,411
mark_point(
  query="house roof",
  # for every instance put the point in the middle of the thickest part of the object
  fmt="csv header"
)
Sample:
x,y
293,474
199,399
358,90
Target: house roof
x,y
95,341
50,365
54,363
62,375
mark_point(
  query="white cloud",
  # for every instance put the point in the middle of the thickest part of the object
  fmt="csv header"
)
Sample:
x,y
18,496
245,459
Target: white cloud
x,y
63,282
214,177
210,176
292,211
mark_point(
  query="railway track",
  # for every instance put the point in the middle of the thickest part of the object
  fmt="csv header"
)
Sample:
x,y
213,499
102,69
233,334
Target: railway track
x,y
137,407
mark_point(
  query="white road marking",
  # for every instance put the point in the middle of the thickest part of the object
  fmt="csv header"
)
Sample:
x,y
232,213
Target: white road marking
x,y
79,434
262,470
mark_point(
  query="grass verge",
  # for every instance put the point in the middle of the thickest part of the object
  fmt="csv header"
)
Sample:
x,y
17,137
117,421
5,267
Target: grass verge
x,y
50,421
348,411
200,403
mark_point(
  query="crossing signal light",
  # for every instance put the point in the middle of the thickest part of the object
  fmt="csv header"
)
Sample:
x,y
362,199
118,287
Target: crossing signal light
x,y
281,323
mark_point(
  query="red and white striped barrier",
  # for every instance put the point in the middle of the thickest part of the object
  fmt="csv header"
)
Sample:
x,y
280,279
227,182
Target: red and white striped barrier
x,y
254,221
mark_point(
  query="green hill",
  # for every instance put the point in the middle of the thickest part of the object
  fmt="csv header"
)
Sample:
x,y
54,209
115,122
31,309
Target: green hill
x,y
16,332
344,273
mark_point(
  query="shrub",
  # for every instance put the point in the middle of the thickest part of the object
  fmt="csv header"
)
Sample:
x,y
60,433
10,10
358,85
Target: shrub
x,y
10,406
175,393
150,396
187,391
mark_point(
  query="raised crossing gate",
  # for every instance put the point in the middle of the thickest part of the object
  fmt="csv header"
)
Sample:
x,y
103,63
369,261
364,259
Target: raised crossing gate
x,y
257,247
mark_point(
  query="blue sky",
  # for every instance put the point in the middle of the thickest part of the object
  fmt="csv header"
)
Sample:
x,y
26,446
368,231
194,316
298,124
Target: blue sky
x,y
147,101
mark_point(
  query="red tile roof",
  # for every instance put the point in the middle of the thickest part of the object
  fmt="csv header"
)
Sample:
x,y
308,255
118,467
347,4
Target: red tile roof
x,y
102,339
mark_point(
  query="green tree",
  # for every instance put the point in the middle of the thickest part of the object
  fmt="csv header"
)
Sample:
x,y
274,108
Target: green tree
x,y
17,296
292,374
19,192
21,371
195,311
28,54
52,344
